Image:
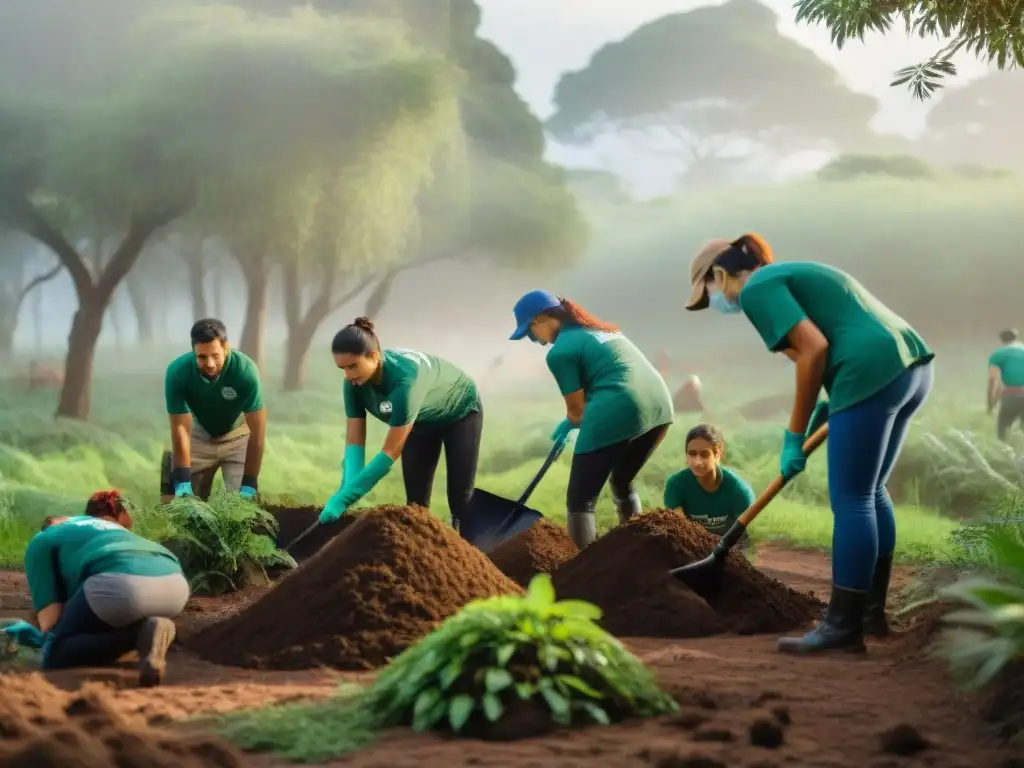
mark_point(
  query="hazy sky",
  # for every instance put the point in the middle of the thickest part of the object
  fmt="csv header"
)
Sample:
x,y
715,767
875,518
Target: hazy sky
x,y
548,37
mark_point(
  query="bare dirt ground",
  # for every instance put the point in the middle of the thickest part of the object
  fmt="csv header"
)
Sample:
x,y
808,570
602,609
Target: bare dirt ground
x,y
743,704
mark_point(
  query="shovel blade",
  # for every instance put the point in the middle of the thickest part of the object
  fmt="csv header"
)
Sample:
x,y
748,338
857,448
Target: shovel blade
x,y
492,520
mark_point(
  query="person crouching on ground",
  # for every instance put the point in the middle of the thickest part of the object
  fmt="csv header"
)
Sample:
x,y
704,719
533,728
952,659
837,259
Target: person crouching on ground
x,y
101,591
877,372
215,404
426,402
706,492
613,395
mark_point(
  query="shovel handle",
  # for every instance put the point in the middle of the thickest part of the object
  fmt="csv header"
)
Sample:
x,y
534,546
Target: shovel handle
x,y
553,454
301,536
768,494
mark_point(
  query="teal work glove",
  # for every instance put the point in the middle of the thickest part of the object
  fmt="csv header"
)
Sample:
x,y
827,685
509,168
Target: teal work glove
x,y
25,634
562,431
819,418
364,482
352,464
333,509
247,492
183,489
793,460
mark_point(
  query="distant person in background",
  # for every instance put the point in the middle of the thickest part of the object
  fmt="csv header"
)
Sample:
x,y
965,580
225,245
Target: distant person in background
x,y
613,395
427,404
706,492
877,372
1006,383
100,591
218,421
687,398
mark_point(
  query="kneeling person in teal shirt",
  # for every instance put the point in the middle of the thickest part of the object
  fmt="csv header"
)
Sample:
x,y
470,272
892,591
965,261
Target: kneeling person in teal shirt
x,y
706,492
101,591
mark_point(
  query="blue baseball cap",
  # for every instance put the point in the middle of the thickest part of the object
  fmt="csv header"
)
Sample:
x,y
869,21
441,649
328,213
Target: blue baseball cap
x,y
528,307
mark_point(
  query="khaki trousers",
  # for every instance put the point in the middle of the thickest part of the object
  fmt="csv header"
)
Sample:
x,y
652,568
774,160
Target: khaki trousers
x,y
226,453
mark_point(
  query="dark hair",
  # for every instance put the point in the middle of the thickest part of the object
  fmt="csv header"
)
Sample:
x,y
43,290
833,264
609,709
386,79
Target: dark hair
x,y
358,338
573,314
746,253
105,504
709,433
1008,336
208,329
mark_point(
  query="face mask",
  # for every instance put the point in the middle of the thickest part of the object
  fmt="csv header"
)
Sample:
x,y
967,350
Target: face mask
x,y
722,304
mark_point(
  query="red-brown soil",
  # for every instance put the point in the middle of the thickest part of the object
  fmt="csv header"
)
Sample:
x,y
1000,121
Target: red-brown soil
x,y
831,712
542,548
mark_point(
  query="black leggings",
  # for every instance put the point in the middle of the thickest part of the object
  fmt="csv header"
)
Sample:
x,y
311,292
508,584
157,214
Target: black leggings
x,y
83,639
422,451
1011,410
619,463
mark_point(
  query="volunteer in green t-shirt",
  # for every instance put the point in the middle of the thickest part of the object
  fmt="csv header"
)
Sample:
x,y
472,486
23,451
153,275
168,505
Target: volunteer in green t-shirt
x,y
707,492
427,404
877,372
1006,383
218,421
101,591
613,395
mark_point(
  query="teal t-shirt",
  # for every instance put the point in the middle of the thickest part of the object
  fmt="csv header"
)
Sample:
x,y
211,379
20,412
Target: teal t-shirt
x,y
217,404
60,559
716,510
869,345
414,388
1010,362
624,394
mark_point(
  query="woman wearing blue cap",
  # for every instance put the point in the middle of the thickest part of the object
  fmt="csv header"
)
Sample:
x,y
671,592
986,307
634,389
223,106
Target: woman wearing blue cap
x,y
877,372
613,395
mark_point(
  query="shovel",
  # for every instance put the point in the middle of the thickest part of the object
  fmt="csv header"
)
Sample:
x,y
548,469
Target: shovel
x,y
492,520
714,561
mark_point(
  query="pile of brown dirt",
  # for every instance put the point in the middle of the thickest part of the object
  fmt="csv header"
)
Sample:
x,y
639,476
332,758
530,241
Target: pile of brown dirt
x,y
542,548
373,591
293,521
45,727
625,573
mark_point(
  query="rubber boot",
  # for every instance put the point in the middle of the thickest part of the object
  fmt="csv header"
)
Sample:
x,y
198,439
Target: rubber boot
x,y
841,628
627,507
582,525
876,624
456,523
155,638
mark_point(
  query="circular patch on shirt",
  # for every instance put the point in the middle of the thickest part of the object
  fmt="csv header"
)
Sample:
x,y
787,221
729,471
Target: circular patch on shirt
x,y
228,393
385,407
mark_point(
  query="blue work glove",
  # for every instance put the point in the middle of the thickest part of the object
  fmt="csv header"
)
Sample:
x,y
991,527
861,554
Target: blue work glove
x,y
352,492
183,489
819,418
793,460
247,492
25,634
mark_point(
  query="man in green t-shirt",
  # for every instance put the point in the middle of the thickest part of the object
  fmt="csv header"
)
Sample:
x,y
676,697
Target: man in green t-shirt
x,y
1006,382
218,421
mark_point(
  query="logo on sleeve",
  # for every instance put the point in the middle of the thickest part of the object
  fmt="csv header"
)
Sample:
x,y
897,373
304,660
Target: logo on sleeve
x,y
228,393
385,407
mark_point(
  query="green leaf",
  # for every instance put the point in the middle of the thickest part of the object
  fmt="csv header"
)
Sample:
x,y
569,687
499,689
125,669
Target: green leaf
x,y
505,654
596,712
540,593
493,709
558,704
496,680
578,685
459,710
450,674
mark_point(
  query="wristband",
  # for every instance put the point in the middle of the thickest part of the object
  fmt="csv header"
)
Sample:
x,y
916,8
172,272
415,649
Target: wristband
x,y
181,475
249,480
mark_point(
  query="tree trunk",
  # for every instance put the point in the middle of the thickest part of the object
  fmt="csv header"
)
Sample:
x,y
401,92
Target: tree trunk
x,y
37,319
257,287
300,339
196,275
141,308
76,394
8,325
379,295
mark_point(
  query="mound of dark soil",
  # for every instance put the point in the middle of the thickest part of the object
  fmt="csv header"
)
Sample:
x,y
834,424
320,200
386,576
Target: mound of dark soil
x,y
293,521
542,548
44,727
373,591
625,573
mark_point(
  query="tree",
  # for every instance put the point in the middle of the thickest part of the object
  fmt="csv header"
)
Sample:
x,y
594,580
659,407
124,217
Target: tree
x,y
714,82
993,31
16,261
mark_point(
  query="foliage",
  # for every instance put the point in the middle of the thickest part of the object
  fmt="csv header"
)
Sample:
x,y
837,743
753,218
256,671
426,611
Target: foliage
x,y
852,166
224,543
992,31
501,651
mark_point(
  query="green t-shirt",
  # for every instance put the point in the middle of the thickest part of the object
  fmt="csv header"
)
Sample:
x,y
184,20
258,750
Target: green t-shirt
x,y
217,404
716,510
869,345
1010,362
624,394
414,388
60,559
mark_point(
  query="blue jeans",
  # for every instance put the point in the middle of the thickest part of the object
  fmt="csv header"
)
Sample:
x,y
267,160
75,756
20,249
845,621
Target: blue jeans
x,y
863,444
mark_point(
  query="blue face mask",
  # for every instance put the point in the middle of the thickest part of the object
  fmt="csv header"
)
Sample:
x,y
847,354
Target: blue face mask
x,y
719,301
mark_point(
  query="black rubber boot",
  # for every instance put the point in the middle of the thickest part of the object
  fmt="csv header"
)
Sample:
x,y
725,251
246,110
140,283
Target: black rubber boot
x,y
876,624
841,628
582,525
456,523
627,507
155,638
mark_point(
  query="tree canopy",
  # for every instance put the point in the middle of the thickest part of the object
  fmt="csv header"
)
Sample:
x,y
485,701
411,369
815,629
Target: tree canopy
x,y
708,78
992,31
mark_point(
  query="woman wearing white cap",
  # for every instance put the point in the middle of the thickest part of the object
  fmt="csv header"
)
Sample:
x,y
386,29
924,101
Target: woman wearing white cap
x,y
877,372
613,395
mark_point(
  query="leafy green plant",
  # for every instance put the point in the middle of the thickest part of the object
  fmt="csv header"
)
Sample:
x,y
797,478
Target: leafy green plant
x,y
223,545
510,653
